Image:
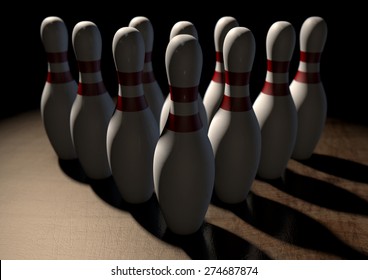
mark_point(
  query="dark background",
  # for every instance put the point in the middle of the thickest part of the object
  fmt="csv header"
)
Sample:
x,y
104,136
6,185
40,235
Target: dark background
x,y
342,66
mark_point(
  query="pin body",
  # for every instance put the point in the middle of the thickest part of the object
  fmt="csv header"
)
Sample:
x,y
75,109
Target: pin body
x,y
215,90
307,89
182,27
60,88
93,106
152,89
184,166
234,132
133,132
274,106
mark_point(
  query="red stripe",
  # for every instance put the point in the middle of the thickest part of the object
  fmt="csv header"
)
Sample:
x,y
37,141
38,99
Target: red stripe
x,y
219,57
185,95
184,123
277,66
236,104
218,77
307,78
310,57
89,66
57,57
147,57
276,89
129,79
237,79
59,78
148,77
91,89
131,104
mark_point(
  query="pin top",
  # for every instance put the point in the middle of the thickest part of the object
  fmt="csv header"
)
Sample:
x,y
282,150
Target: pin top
x,y
313,34
183,61
280,41
87,42
183,27
239,50
54,35
223,26
128,50
143,24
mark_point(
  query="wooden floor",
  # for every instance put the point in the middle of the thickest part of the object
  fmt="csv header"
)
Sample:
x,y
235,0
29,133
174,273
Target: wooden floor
x,y
48,210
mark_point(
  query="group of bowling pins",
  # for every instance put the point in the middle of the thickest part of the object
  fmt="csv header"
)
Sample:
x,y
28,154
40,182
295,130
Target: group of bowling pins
x,y
183,148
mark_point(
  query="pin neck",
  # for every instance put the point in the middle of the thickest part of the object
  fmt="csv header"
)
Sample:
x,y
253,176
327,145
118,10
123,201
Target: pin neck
x,y
219,57
57,57
278,66
183,95
92,66
236,104
59,78
237,78
184,115
276,89
129,79
148,57
58,68
92,89
131,104
310,57
218,75
184,124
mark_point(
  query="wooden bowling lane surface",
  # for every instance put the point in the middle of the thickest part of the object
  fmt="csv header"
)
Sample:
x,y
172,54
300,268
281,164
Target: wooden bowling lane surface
x,y
49,210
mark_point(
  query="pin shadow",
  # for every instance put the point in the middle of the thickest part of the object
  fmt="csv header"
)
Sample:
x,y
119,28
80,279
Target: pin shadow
x,y
291,226
73,169
321,193
209,242
107,191
339,167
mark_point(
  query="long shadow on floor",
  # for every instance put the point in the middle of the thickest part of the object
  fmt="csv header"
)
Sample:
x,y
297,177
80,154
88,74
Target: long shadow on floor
x,y
321,193
209,242
339,167
291,226
73,169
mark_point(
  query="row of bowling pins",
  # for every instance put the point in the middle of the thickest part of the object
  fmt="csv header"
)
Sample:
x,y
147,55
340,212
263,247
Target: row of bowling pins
x,y
188,156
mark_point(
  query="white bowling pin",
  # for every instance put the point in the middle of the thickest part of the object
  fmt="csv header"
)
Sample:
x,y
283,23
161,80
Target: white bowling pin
x,y
234,132
132,132
152,89
307,89
93,106
183,27
184,167
60,88
274,106
215,90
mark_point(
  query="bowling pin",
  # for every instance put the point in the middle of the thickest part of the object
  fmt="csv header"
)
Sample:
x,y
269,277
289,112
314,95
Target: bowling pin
x,y
93,106
274,106
307,89
184,166
215,90
234,132
133,132
60,88
183,27
152,89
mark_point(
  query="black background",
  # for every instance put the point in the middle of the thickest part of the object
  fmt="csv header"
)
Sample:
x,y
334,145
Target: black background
x,y
342,66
